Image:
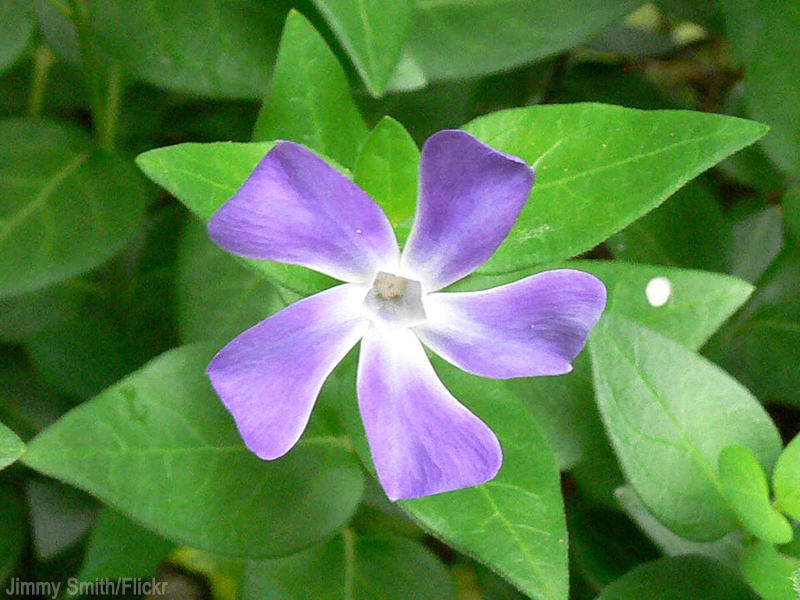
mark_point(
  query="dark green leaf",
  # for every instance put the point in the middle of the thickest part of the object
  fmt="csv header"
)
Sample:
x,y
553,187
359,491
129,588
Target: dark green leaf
x,y
679,578
372,32
204,176
669,414
160,448
16,27
12,530
599,168
22,316
745,485
64,206
309,98
207,47
351,568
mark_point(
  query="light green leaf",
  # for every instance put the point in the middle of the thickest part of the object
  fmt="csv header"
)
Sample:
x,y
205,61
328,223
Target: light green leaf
x,y
12,530
160,448
786,480
764,35
598,168
386,169
206,47
769,572
204,176
16,27
309,99
11,447
745,485
372,32
53,183
462,38
118,548
678,578
217,297
669,413
351,568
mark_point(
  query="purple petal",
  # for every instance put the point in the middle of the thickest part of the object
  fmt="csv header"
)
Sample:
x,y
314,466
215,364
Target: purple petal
x,y
470,196
269,376
295,208
423,441
534,326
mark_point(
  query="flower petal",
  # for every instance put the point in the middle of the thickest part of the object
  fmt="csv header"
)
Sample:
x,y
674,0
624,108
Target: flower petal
x,y
423,441
269,376
295,208
470,196
534,326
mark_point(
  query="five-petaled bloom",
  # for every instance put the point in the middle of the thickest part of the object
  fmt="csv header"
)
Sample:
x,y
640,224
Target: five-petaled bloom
x,y
295,208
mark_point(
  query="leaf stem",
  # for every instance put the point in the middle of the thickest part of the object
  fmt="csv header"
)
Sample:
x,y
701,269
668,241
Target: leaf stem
x,y
349,563
43,59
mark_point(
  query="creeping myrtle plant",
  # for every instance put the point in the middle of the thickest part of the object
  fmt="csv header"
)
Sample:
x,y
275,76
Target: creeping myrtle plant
x,y
295,208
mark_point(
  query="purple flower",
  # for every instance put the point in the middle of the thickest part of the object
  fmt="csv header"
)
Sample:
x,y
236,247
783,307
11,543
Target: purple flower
x,y
295,208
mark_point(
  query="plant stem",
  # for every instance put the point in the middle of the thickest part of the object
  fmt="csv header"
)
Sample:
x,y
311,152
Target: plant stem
x,y
43,59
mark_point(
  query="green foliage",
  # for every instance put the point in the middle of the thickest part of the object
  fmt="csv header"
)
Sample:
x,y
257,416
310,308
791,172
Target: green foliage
x,y
12,530
786,480
11,447
16,28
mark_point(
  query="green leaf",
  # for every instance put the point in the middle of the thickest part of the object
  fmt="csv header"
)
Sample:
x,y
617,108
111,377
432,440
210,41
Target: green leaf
x,y
16,27
53,183
462,38
160,448
514,523
678,578
764,34
598,168
11,447
791,208
757,239
206,47
769,572
698,302
786,480
372,32
688,230
746,488
118,548
217,297
309,99
761,346
669,413
12,530
351,568
386,169
22,316
204,176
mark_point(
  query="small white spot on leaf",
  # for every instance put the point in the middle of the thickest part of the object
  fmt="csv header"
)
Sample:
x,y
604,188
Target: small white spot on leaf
x,y
658,291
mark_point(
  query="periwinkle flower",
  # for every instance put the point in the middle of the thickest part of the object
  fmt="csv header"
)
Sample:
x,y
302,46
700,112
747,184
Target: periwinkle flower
x,y
295,208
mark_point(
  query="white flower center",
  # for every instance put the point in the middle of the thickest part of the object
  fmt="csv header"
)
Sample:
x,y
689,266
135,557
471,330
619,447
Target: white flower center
x,y
395,300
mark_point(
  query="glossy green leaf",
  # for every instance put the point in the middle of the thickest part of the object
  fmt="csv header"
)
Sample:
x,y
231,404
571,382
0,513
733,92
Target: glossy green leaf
x,y
217,296
386,169
206,47
745,485
204,176
688,230
514,523
461,38
160,448
697,304
764,35
786,480
12,530
679,578
598,168
769,572
669,413
119,548
372,32
16,27
309,99
351,568
11,447
64,206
